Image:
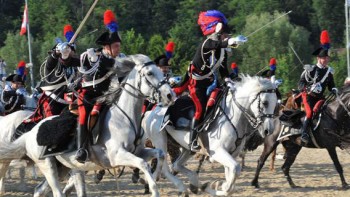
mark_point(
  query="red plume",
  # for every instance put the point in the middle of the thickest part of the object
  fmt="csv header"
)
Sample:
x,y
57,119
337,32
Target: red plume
x,y
324,37
108,17
21,64
233,65
67,28
272,61
170,47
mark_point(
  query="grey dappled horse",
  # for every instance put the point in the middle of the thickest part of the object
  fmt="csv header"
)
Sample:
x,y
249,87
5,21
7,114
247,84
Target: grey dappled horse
x,y
241,112
120,142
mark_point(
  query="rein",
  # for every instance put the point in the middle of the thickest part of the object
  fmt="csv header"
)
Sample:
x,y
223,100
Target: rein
x,y
254,122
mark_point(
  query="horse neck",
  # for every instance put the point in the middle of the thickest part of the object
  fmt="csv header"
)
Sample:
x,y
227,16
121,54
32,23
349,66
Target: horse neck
x,y
131,104
238,118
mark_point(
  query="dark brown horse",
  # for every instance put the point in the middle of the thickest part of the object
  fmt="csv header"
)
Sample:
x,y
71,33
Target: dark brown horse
x,y
333,131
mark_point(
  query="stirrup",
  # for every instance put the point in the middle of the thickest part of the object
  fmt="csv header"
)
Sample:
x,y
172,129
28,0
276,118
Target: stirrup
x,y
194,146
78,156
305,138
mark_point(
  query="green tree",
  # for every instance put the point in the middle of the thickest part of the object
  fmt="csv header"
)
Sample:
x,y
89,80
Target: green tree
x,y
276,41
133,43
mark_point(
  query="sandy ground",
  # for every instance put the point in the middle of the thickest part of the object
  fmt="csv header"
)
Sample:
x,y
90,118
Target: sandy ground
x,y
313,171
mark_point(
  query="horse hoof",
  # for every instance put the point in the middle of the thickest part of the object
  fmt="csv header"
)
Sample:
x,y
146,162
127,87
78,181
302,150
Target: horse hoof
x,y
194,189
183,194
295,186
256,185
204,186
345,187
147,192
135,178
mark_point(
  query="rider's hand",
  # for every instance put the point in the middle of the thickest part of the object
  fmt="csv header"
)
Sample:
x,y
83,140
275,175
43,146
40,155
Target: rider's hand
x,y
20,91
239,40
92,55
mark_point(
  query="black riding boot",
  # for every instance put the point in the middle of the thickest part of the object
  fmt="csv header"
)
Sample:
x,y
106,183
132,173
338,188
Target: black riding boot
x,y
82,154
194,146
305,135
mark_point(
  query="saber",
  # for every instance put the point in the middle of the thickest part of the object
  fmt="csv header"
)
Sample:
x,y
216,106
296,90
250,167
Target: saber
x,y
269,23
295,53
83,22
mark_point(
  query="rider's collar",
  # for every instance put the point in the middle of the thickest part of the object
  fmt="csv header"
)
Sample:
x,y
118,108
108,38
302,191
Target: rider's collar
x,y
321,66
106,54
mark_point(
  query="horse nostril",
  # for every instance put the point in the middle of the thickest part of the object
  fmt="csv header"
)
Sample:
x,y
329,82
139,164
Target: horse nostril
x,y
169,96
266,132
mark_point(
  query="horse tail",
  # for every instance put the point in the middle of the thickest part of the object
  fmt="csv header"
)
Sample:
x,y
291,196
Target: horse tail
x,y
13,150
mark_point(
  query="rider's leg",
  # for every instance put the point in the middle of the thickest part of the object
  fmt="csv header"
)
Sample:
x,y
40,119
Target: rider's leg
x,y
199,98
82,154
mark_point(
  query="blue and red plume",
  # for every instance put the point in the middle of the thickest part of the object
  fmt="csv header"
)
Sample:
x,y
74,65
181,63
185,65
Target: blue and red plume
x,y
234,68
273,64
68,32
21,67
209,19
324,39
110,21
169,49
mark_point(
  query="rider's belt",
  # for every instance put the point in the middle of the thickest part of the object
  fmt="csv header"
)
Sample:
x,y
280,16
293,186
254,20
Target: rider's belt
x,y
200,77
53,87
97,81
55,97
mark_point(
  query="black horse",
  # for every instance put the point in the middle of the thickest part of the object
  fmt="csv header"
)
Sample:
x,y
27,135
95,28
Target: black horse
x,y
333,131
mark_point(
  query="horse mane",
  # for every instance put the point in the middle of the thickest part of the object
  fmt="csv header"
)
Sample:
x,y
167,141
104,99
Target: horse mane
x,y
252,84
124,67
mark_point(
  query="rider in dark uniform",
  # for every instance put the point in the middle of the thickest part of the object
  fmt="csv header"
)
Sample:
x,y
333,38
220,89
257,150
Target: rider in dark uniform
x,y
314,81
58,70
210,56
270,74
96,69
13,95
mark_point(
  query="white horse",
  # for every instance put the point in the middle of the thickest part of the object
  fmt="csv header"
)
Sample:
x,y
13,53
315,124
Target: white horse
x,y
250,106
119,143
8,125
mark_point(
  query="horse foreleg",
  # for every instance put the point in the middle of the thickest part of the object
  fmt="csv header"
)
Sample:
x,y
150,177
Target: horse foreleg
x,y
268,148
49,169
232,171
292,151
3,168
333,153
150,153
125,158
160,142
192,176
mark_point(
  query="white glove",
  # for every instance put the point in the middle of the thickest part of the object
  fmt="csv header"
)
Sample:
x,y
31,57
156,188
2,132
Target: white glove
x,y
65,50
71,86
21,91
239,40
278,82
92,55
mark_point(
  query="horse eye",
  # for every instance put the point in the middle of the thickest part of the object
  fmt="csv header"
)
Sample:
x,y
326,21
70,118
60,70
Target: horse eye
x,y
149,73
265,103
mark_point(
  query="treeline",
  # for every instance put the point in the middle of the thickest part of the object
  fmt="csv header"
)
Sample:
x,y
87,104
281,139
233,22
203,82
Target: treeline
x,y
147,25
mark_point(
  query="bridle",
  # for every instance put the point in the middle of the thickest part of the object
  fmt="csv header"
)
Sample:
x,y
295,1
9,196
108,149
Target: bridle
x,y
155,95
255,122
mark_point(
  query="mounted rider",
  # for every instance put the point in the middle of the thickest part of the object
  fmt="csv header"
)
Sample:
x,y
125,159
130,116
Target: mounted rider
x,y
56,72
313,82
97,66
13,95
163,63
271,74
210,56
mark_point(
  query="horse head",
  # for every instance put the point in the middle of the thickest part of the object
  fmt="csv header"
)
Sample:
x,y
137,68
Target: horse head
x,y
149,79
258,103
